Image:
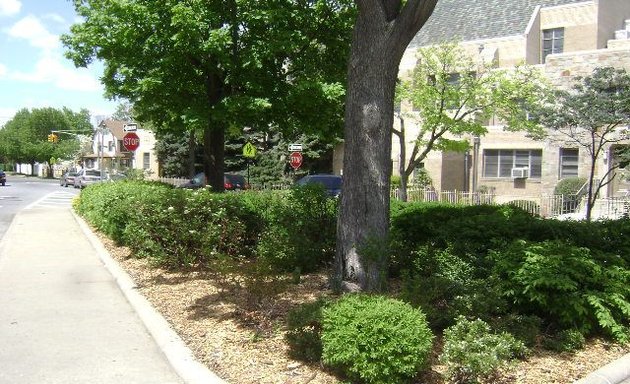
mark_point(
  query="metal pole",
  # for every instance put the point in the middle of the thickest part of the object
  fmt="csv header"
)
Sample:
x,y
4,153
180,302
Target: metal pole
x,y
475,170
248,172
100,147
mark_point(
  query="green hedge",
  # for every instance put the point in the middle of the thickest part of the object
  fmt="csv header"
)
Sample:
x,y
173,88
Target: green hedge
x,y
478,261
286,230
496,261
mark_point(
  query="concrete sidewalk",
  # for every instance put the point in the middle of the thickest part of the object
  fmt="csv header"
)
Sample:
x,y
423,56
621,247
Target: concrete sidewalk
x,y
66,318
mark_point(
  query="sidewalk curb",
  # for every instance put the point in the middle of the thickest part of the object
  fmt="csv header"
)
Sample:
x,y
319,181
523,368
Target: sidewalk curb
x,y
173,347
617,372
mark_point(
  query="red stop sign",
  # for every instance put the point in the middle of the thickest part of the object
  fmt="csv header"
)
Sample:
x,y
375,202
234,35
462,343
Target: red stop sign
x,y
131,141
295,159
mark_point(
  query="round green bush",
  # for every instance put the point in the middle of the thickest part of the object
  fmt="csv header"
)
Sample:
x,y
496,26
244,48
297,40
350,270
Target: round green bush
x,y
473,353
374,339
567,340
569,186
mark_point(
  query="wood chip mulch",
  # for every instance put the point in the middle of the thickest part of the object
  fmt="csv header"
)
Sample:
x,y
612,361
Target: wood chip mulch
x,y
238,333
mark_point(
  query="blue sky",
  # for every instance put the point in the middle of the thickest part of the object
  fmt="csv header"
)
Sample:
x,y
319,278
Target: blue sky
x,y
33,70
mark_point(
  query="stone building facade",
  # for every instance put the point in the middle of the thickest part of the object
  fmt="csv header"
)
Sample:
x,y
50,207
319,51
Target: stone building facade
x,y
564,39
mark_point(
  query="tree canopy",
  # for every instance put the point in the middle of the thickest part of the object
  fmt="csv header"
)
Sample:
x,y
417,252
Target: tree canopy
x,y
24,138
219,66
593,116
452,97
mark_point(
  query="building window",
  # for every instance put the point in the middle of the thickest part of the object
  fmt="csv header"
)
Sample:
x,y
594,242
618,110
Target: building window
x,y
146,160
553,42
569,162
499,162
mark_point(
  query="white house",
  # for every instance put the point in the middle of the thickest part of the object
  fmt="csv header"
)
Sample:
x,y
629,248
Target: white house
x,y
109,153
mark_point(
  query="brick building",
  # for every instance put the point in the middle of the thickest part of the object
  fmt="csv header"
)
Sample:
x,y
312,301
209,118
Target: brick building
x,y
564,39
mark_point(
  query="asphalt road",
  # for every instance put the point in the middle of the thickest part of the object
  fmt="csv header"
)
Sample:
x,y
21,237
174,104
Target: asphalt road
x,y
21,192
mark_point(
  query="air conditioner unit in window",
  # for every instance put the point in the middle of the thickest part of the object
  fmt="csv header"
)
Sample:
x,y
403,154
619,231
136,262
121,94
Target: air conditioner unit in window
x,y
520,173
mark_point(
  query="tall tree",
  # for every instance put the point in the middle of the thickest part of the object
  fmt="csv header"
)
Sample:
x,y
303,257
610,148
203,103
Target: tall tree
x,y
25,136
382,32
173,153
79,122
124,112
593,115
453,97
210,65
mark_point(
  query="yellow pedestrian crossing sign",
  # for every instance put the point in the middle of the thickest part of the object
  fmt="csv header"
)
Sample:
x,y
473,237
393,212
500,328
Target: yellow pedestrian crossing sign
x,y
249,150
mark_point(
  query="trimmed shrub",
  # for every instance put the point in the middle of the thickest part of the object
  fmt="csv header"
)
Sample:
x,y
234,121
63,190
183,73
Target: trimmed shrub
x,y
568,340
470,231
472,353
111,207
443,284
375,339
569,186
194,227
566,285
299,231
304,331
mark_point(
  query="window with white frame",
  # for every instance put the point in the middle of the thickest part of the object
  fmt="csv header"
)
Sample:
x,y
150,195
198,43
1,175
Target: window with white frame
x,y
552,42
498,163
569,162
146,160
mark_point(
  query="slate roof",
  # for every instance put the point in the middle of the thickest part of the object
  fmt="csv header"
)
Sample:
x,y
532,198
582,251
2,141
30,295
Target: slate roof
x,y
467,20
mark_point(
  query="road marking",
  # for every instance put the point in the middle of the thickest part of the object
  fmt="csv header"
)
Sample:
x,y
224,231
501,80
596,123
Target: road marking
x,y
54,200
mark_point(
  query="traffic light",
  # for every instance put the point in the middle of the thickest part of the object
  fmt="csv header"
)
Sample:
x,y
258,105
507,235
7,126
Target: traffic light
x,y
53,138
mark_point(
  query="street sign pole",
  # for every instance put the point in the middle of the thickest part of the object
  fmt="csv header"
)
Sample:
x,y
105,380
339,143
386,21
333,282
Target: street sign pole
x,y
249,152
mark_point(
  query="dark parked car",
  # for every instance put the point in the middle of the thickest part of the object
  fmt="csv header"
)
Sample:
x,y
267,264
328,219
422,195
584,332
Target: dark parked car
x,y
231,182
67,178
331,183
3,178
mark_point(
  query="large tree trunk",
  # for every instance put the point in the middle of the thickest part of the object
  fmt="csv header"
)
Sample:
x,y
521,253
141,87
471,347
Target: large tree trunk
x,y
192,150
213,151
214,136
381,35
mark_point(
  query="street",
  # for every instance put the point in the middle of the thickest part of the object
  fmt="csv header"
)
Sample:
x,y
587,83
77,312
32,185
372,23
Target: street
x,y
21,192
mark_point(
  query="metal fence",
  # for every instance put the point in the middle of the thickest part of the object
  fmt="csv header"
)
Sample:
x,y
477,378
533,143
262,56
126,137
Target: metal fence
x,y
173,180
572,206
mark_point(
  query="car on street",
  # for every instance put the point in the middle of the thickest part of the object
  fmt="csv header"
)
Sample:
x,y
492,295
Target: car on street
x,y
331,183
231,182
67,178
87,177
3,178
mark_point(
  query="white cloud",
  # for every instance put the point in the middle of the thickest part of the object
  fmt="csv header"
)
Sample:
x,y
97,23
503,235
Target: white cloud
x,y
3,70
6,114
31,29
51,69
9,7
54,17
